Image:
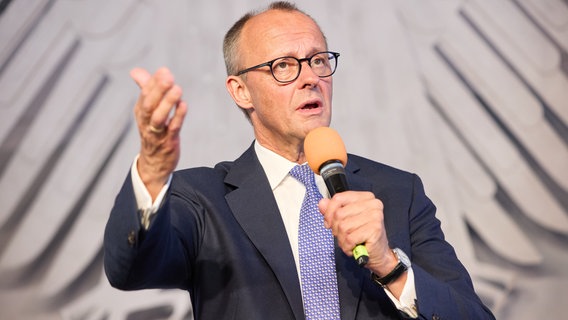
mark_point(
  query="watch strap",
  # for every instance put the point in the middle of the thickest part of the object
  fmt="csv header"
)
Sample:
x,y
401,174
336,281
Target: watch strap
x,y
395,273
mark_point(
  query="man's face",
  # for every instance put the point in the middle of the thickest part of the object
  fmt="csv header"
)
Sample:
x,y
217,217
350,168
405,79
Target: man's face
x,y
283,113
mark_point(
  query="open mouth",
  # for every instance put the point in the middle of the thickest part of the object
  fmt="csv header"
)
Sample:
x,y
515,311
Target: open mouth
x,y
310,106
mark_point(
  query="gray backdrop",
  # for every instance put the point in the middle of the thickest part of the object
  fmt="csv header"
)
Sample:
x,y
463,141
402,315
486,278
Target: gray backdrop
x,y
471,95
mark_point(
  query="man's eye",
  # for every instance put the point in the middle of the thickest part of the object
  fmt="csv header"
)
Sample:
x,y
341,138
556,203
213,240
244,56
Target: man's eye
x,y
282,65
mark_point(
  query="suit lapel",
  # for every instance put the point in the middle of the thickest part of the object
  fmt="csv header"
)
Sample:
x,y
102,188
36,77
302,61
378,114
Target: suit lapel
x,y
254,207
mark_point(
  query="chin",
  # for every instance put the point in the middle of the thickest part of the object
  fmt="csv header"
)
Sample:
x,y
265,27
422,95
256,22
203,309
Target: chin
x,y
316,125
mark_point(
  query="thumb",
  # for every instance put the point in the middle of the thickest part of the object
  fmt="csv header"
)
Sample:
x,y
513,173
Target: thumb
x,y
322,205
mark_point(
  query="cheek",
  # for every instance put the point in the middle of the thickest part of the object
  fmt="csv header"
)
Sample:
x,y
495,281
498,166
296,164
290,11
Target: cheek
x,y
268,92
328,88
269,108
327,93
278,100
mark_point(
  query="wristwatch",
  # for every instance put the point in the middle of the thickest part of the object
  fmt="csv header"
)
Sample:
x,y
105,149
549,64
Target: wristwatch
x,y
402,265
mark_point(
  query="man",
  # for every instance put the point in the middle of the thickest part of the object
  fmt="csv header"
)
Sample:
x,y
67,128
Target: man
x,y
232,235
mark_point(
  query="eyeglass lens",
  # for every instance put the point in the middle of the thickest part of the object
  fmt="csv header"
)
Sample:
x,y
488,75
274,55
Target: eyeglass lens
x,y
288,68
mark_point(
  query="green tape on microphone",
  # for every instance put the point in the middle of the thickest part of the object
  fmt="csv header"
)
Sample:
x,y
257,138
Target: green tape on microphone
x,y
361,255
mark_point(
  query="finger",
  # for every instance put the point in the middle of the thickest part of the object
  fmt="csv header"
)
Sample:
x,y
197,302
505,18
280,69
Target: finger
x,y
153,90
352,199
347,212
333,206
162,112
156,88
140,76
352,232
177,119
341,221
323,206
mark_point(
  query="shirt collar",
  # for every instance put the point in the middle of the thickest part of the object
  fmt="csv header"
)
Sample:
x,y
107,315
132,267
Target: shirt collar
x,y
275,166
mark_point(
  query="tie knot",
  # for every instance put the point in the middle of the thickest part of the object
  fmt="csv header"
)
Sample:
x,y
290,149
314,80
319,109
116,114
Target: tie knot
x,y
304,174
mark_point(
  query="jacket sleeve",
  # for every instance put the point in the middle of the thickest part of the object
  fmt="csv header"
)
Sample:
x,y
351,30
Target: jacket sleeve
x,y
135,258
443,286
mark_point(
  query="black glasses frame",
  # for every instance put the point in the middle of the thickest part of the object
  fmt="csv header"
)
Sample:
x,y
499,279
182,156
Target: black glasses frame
x,y
308,59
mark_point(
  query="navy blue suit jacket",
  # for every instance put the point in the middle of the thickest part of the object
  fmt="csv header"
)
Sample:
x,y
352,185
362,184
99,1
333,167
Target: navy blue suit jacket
x,y
219,235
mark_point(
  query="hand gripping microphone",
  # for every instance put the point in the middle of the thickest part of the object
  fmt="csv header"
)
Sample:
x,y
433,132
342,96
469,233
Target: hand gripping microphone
x,y
327,157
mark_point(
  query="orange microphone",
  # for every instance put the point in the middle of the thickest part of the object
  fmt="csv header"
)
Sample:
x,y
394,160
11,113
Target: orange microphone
x,y
327,157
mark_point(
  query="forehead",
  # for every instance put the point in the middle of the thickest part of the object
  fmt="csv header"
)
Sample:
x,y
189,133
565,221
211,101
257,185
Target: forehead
x,y
276,32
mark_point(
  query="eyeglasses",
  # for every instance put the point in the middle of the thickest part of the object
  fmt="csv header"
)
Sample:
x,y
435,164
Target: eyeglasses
x,y
287,69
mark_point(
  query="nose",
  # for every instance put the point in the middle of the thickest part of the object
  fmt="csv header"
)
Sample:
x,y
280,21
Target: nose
x,y
307,76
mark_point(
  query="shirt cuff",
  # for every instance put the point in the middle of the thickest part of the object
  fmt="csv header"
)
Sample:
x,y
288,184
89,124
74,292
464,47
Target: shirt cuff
x,y
407,301
146,207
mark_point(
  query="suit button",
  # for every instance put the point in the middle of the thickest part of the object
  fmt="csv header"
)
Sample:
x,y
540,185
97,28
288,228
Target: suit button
x,y
131,238
435,317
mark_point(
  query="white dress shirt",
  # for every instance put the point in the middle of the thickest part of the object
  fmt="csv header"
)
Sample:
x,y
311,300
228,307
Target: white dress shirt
x,y
289,194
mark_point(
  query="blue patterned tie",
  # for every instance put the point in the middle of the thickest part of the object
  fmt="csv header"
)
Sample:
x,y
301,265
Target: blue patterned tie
x,y
317,259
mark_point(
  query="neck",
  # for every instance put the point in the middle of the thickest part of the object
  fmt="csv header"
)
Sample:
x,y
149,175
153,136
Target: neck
x,y
294,153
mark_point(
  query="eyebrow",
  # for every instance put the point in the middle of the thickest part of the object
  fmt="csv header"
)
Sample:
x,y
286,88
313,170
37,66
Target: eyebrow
x,y
310,53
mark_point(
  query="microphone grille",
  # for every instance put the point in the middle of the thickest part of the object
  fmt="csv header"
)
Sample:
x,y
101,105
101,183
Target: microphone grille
x,y
323,144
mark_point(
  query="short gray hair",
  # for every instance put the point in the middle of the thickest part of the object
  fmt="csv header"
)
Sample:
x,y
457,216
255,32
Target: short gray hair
x,y
231,40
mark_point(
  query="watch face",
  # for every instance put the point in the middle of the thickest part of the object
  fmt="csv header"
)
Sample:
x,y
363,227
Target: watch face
x,y
402,256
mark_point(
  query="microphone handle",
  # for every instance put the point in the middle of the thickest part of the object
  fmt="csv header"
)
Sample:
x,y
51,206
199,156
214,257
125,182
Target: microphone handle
x,y
336,182
333,174
361,255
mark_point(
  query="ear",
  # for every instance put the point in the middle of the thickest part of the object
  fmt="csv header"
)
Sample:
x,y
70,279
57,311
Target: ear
x,y
239,92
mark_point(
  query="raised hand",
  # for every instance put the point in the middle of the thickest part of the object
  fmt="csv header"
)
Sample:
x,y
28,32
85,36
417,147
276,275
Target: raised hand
x,y
159,113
